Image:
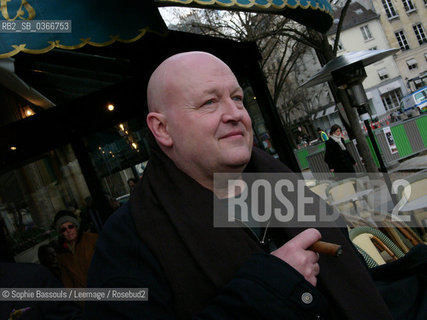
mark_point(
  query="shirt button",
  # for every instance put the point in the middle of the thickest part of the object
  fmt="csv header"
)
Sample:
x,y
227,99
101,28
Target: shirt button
x,y
307,297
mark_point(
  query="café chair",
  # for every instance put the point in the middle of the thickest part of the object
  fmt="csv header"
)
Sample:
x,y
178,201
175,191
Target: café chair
x,y
415,193
375,244
344,195
320,188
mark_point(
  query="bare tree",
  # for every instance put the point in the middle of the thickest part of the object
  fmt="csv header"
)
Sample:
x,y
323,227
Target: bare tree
x,y
279,53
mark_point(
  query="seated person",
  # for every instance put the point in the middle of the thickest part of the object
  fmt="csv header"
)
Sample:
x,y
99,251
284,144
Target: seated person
x,y
163,239
75,250
47,257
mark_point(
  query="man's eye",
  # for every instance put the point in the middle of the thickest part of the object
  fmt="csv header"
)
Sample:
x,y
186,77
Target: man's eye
x,y
208,102
238,98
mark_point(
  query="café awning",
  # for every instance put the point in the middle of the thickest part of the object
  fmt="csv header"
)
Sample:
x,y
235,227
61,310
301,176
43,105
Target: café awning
x,y
34,26
95,22
316,14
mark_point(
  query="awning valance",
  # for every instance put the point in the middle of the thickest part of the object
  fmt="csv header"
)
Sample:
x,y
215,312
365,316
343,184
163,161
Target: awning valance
x,y
389,87
411,62
316,14
103,22
382,72
94,22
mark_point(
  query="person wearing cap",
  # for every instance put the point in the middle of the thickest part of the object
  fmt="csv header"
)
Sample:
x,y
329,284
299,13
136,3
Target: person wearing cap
x,y
323,135
75,250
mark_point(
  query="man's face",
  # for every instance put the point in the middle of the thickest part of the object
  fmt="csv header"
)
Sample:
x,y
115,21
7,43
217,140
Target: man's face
x,y
210,128
69,231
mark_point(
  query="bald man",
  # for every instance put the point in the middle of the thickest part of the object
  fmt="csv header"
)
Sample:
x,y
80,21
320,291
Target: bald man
x,y
163,239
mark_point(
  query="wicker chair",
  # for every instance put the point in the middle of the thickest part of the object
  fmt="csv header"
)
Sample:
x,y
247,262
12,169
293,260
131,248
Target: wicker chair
x,y
320,189
374,244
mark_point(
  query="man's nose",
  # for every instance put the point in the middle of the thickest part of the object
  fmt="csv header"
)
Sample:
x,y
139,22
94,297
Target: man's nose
x,y
233,110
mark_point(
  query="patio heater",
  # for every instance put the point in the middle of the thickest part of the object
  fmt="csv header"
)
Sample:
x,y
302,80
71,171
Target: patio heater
x,y
348,72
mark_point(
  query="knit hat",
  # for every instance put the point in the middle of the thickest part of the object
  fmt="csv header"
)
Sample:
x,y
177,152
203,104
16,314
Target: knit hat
x,y
65,216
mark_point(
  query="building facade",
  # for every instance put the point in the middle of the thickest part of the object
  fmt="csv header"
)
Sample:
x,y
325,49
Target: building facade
x,y
404,23
362,30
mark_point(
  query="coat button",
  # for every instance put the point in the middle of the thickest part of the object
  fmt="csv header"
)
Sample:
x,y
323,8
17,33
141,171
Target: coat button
x,y
307,297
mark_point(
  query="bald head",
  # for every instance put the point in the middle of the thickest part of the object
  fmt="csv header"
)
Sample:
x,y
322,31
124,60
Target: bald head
x,y
197,116
173,74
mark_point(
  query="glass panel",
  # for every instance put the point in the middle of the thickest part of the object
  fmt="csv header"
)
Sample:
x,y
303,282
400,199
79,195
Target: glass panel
x,y
119,154
389,9
392,99
261,135
31,195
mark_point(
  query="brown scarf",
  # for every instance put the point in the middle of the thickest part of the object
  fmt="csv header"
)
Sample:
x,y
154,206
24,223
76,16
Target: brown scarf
x,y
173,215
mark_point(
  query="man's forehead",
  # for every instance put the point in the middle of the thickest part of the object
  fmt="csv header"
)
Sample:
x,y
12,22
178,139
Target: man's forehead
x,y
182,72
197,66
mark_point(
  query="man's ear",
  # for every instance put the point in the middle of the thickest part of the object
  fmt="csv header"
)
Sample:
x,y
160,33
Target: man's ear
x,y
158,126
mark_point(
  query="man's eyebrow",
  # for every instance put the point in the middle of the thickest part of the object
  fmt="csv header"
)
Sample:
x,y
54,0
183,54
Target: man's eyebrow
x,y
237,89
215,90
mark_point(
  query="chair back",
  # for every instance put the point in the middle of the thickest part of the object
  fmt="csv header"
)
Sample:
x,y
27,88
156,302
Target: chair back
x,y
320,189
417,187
340,189
371,240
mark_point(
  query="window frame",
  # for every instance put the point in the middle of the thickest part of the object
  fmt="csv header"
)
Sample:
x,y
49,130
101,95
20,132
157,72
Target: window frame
x,y
366,33
420,33
401,38
411,65
389,9
407,5
393,96
383,74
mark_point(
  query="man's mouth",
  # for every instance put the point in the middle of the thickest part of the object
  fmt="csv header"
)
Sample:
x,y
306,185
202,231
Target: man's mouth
x,y
232,134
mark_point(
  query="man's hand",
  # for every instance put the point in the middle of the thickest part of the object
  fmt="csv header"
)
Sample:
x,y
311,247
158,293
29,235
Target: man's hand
x,y
295,253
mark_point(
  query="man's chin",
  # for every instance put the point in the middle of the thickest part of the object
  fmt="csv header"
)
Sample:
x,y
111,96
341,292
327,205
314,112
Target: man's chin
x,y
238,161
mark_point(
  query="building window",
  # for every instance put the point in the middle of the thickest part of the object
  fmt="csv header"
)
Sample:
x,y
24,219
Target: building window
x,y
391,99
366,33
425,56
31,194
401,39
373,48
419,32
383,73
409,6
412,64
389,9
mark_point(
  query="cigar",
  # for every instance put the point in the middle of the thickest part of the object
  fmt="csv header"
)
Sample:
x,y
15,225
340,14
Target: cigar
x,y
330,249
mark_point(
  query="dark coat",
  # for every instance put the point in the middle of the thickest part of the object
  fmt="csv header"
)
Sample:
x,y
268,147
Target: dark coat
x,y
164,241
336,158
254,292
74,266
28,275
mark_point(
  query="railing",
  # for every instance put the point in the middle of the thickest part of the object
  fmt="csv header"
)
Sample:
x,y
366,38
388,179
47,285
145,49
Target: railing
x,y
410,138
